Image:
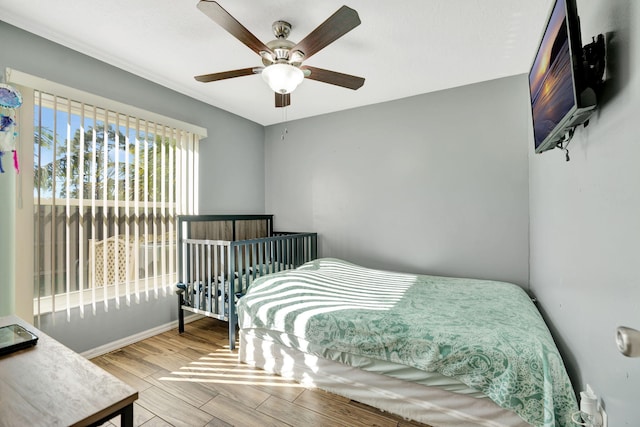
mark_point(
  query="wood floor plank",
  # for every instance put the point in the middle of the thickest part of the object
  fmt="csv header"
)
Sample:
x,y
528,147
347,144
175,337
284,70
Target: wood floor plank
x,y
175,411
402,422
128,361
237,414
272,384
209,329
234,384
248,396
133,380
194,342
173,341
213,363
293,414
213,331
354,416
196,353
215,422
221,373
409,423
169,361
188,389
155,345
156,422
141,415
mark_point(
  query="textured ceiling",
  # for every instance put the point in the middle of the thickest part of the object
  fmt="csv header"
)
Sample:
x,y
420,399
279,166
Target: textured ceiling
x,y
402,48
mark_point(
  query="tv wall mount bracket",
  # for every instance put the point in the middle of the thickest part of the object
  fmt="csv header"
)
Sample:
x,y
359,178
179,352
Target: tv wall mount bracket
x,y
593,60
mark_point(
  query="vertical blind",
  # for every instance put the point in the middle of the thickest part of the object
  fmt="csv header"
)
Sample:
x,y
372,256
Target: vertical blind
x,y
107,189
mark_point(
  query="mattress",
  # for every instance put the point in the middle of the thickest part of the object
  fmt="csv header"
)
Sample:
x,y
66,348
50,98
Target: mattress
x,y
376,366
484,334
427,404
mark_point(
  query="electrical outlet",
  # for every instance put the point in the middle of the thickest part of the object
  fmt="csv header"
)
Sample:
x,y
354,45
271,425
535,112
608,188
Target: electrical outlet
x,y
603,414
605,422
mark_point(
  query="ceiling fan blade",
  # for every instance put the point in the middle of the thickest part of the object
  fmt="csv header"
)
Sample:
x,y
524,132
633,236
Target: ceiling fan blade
x,y
221,17
337,25
227,74
334,78
283,99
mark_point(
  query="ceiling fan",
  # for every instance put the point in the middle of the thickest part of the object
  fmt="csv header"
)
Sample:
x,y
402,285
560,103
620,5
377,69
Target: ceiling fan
x,y
282,59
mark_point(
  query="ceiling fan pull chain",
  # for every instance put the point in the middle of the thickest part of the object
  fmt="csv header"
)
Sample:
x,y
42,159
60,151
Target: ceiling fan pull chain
x,y
284,120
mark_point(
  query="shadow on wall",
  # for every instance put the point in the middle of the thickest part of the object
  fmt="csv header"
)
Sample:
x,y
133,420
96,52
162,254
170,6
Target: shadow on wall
x,y
570,362
618,50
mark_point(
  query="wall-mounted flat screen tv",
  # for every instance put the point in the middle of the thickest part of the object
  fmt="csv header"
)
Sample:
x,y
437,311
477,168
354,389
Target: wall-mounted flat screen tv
x,y
560,98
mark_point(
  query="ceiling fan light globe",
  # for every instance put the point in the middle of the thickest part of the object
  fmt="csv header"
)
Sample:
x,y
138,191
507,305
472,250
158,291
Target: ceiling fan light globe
x,y
282,78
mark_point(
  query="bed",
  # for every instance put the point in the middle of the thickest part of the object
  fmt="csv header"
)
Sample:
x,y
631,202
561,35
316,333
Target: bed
x,y
443,351
219,256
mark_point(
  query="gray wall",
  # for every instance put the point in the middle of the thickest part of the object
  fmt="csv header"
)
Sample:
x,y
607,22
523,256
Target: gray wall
x,y
585,223
434,183
229,136
437,184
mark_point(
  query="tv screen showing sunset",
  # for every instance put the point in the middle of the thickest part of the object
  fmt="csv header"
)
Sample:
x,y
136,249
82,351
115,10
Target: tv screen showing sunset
x,y
551,79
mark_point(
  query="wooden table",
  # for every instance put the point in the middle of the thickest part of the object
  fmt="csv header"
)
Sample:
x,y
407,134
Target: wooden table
x,y
51,385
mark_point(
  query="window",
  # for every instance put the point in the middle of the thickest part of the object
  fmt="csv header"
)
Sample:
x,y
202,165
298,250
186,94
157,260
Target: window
x,y
107,187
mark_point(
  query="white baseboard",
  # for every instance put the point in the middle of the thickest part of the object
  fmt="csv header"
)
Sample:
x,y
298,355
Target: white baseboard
x,y
131,339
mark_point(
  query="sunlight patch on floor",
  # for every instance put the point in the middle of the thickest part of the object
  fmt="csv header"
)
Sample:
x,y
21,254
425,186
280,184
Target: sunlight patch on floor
x,y
223,368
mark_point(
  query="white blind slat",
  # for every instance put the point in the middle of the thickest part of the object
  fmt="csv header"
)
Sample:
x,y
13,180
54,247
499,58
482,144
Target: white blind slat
x,y
137,209
94,207
51,250
67,224
127,207
116,213
38,215
81,216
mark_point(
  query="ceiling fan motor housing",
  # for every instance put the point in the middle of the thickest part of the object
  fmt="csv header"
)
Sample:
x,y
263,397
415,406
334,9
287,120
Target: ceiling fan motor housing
x,y
281,29
281,47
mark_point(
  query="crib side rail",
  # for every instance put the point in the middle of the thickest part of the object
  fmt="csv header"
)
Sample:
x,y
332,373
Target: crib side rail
x,y
212,274
256,257
205,273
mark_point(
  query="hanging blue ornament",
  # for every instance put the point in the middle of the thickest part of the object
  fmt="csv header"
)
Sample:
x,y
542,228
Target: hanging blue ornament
x,y
9,96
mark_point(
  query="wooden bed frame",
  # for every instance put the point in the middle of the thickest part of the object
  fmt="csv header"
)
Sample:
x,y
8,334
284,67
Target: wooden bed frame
x,y
219,256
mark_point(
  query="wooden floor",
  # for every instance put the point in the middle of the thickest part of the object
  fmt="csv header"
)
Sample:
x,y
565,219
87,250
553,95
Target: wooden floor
x,y
192,379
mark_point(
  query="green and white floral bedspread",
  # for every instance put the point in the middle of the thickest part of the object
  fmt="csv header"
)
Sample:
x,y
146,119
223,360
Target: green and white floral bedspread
x,y
486,334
